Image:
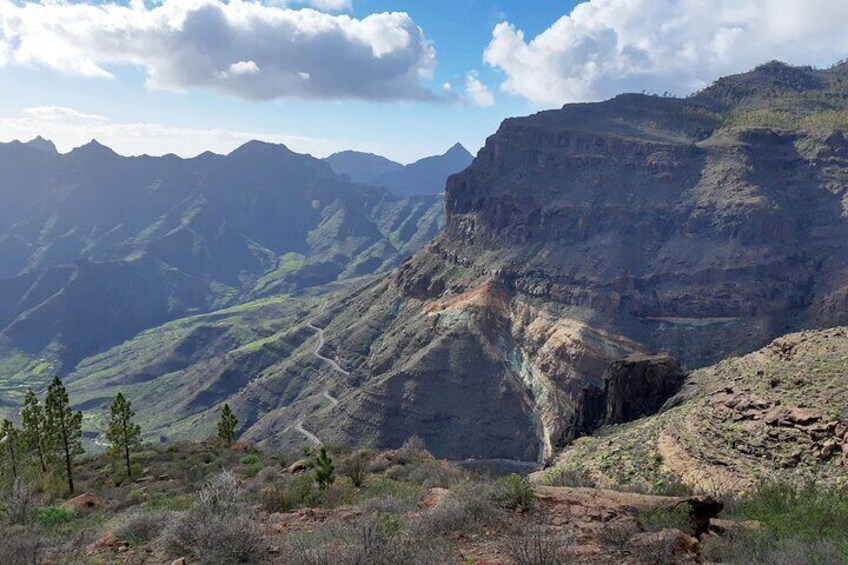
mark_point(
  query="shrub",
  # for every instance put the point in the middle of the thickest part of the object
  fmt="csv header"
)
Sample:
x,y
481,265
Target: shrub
x,y
659,519
19,501
538,547
803,526
142,527
364,542
50,516
249,459
353,467
21,546
413,449
514,492
617,534
468,508
220,529
429,474
562,477
290,493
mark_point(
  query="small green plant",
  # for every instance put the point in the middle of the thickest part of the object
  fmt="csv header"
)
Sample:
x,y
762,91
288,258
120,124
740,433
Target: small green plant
x,y
51,516
324,469
514,492
249,459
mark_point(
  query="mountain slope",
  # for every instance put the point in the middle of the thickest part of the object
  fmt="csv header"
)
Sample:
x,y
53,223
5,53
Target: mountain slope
x,y
361,167
95,247
704,227
777,414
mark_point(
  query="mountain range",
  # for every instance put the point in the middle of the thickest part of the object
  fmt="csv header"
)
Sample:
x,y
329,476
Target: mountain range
x,y
591,257
426,176
95,247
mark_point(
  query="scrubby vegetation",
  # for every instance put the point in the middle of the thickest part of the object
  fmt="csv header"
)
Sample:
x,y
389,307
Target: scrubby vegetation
x,y
223,502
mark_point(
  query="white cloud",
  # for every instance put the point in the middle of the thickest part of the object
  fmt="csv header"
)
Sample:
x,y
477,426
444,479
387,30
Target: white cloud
x,y
204,43
604,47
240,68
60,113
70,128
327,5
478,92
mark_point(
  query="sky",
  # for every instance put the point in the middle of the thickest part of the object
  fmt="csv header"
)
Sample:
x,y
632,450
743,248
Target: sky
x,y
403,78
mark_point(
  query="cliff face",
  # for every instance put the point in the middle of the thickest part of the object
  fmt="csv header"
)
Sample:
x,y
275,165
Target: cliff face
x,y
701,227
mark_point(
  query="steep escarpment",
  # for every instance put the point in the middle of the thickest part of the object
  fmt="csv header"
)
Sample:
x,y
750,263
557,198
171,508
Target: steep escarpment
x,y
702,227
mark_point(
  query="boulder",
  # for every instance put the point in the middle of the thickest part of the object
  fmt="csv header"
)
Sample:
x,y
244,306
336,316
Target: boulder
x,y
83,503
299,466
433,498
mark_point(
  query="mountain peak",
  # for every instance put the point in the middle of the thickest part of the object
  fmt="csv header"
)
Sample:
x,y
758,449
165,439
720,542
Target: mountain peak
x,y
93,146
43,145
458,149
256,146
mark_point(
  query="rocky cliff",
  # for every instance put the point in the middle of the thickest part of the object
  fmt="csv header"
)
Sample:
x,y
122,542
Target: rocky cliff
x,y
702,227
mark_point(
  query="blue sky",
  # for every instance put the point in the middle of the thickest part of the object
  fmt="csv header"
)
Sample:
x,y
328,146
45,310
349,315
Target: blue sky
x,y
188,75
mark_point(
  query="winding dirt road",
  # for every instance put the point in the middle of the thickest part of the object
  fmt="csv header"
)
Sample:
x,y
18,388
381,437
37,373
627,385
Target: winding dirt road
x,y
326,394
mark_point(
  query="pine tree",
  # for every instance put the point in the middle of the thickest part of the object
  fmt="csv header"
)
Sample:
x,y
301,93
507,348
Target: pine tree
x,y
123,434
227,426
10,436
324,469
63,426
32,424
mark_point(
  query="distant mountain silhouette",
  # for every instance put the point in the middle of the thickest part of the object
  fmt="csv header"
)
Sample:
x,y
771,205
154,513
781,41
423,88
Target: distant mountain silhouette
x,y
427,176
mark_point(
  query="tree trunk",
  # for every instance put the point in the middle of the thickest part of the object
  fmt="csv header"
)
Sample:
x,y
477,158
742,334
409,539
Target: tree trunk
x,y
127,457
68,460
41,460
12,458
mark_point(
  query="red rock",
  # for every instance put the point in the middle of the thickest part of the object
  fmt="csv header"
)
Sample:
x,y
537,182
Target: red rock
x,y
433,498
83,503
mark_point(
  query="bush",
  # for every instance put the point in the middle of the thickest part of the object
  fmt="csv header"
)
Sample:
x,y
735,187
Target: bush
x,y
562,477
468,508
659,519
617,534
364,542
538,547
353,467
429,473
221,529
293,491
21,546
514,492
413,449
803,526
51,516
142,527
249,459
18,503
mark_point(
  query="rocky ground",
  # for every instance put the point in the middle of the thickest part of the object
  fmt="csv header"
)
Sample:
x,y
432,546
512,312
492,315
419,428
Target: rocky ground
x,y
407,508
780,413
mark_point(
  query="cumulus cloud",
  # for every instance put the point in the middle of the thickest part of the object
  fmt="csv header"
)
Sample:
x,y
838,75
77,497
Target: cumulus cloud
x,y
70,128
241,47
478,92
604,47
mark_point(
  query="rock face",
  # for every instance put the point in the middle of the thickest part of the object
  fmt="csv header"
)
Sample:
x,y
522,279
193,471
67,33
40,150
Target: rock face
x,y
704,227
639,386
